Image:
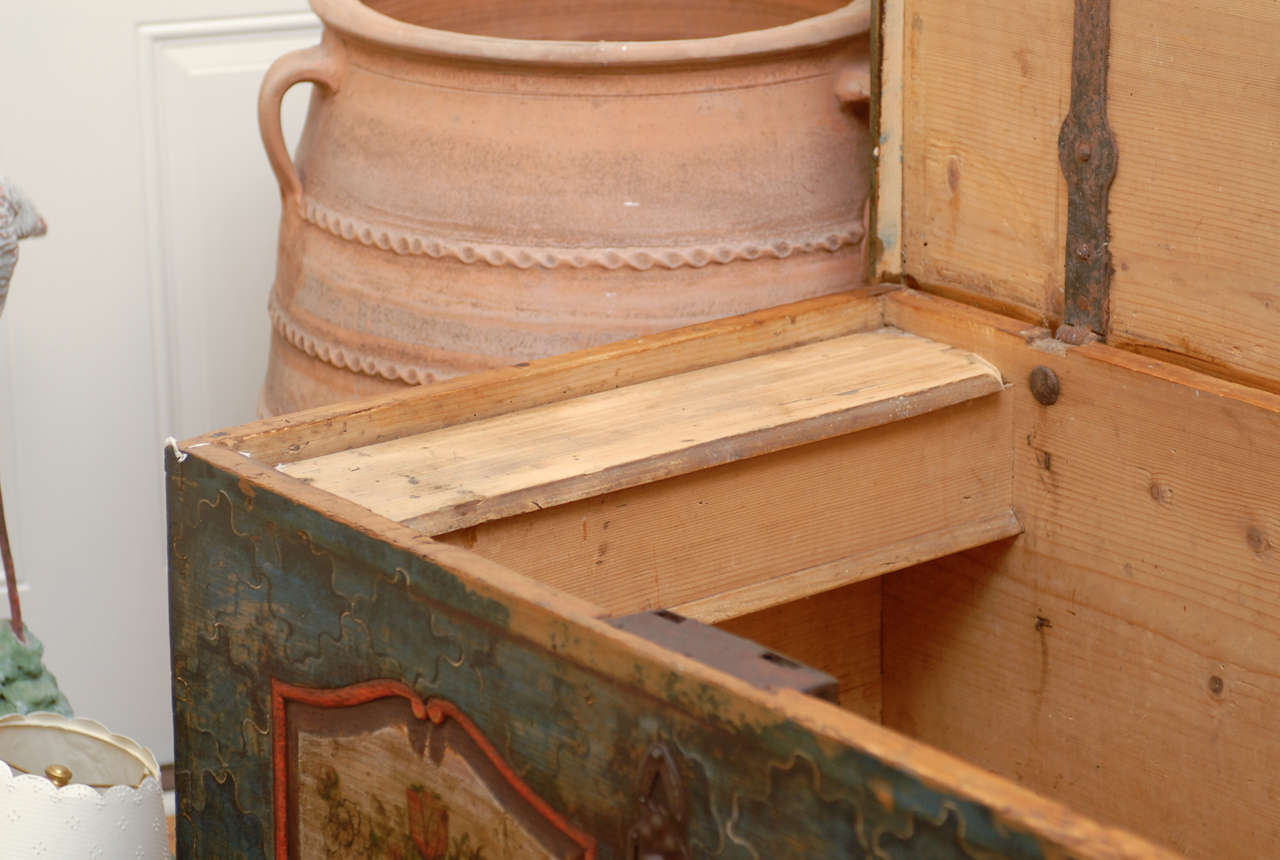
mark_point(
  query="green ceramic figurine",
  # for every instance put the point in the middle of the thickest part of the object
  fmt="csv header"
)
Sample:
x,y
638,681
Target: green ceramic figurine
x,y
25,684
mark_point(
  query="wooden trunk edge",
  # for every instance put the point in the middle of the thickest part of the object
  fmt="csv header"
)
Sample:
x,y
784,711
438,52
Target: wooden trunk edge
x,y
908,309
325,429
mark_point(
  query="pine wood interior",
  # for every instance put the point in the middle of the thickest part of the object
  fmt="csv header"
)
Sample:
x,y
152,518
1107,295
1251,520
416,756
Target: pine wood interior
x,y
1126,645
984,87
1121,654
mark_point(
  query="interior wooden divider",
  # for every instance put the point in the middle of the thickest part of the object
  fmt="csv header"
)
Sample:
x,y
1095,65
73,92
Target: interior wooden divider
x,y
877,561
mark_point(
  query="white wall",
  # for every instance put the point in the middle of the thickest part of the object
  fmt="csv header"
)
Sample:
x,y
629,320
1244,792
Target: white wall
x,y
132,125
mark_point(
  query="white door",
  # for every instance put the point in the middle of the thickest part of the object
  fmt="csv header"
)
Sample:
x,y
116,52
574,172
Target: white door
x,y
142,314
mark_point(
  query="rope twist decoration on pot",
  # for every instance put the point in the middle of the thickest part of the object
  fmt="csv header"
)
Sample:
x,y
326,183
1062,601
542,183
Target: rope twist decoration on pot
x,y
343,357
641,259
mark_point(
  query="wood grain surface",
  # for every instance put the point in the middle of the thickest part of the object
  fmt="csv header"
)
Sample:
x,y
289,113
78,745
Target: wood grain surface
x,y
878,561
1122,654
837,632
271,577
1195,215
704,537
472,472
1195,207
984,203
324,430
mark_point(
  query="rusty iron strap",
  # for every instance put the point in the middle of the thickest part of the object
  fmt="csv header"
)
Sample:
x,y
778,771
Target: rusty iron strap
x,y
1087,153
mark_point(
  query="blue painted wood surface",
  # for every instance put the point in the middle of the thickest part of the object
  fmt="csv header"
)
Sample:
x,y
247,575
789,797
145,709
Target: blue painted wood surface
x,y
263,587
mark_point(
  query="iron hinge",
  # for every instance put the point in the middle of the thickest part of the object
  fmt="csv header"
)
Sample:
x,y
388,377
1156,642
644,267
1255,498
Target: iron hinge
x,y
1088,155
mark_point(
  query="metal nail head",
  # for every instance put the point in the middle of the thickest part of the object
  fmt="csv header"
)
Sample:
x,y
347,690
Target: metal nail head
x,y
1045,386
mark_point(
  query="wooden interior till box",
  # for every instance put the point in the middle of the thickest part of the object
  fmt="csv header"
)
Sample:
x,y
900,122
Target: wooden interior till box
x,y
715,490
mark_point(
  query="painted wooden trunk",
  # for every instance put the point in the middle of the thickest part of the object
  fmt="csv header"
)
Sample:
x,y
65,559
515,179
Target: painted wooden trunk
x,y
345,693
464,676
915,570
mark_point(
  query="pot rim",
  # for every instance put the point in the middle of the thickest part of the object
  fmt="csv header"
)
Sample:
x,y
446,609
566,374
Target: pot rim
x,y
354,18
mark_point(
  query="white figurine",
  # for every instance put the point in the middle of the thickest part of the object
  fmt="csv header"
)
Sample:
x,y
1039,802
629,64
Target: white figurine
x,y
18,220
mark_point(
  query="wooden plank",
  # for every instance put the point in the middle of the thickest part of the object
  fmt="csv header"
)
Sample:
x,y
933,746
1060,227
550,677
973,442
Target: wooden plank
x,y
868,565
1193,223
1194,220
888,42
1127,645
684,539
328,429
984,205
458,476
838,633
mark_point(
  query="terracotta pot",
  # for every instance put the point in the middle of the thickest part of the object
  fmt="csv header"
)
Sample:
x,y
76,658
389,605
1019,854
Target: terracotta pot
x,y
486,182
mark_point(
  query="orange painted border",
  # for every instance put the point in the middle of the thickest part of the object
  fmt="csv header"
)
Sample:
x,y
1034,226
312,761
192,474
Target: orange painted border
x,y
436,710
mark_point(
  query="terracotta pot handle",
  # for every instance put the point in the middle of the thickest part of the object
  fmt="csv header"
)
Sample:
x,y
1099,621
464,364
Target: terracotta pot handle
x,y
321,64
853,84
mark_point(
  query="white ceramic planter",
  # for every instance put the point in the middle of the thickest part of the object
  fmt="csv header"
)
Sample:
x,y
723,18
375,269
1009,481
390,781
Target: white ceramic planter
x,y
111,808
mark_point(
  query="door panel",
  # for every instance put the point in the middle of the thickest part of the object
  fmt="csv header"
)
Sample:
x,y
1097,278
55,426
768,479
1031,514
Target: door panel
x,y
212,206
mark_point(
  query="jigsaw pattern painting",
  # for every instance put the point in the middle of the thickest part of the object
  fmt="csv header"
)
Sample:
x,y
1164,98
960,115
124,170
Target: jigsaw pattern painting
x,y
337,695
